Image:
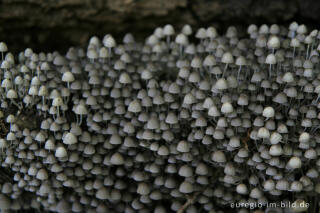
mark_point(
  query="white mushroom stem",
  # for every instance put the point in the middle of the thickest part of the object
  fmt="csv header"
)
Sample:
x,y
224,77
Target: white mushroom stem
x,y
270,71
58,111
190,201
225,69
20,106
239,70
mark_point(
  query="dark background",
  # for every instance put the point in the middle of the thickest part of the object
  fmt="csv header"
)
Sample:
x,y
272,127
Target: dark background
x,y
48,25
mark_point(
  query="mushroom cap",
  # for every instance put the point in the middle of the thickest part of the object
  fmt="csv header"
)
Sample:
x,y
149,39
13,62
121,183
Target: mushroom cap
x,y
63,206
109,41
81,110
271,59
226,108
218,156
168,30
183,146
3,47
143,189
186,187
221,84
68,77
61,152
182,39
70,139
294,162
42,174
268,112
273,42
5,202
134,106
117,159
227,58
125,78
102,193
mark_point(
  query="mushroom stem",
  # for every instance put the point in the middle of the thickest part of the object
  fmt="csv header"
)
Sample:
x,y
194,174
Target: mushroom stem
x,y
225,69
238,76
190,201
270,73
16,104
181,51
80,119
168,41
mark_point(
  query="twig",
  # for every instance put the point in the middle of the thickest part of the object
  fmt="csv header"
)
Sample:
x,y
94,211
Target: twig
x,y
189,201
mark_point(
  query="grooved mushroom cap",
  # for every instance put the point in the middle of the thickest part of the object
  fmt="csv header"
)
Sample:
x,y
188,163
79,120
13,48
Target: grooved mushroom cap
x,y
186,187
81,110
299,205
183,146
3,143
227,58
201,33
221,84
271,59
273,42
182,39
143,189
275,138
70,139
255,193
42,174
128,38
3,47
211,32
226,108
168,30
134,106
288,77
61,152
125,78
5,203
102,193
6,188
40,137
202,169
185,171
68,77
268,112
117,159
59,60
57,102
218,156
294,162
276,150
186,29
304,137
12,94
241,61
163,151
63,206
108,41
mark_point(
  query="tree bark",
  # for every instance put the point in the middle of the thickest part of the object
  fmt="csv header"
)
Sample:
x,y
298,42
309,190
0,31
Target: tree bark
x,y
48,25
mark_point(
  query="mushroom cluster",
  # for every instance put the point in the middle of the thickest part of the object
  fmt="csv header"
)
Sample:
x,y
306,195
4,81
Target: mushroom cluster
x,y
183,122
